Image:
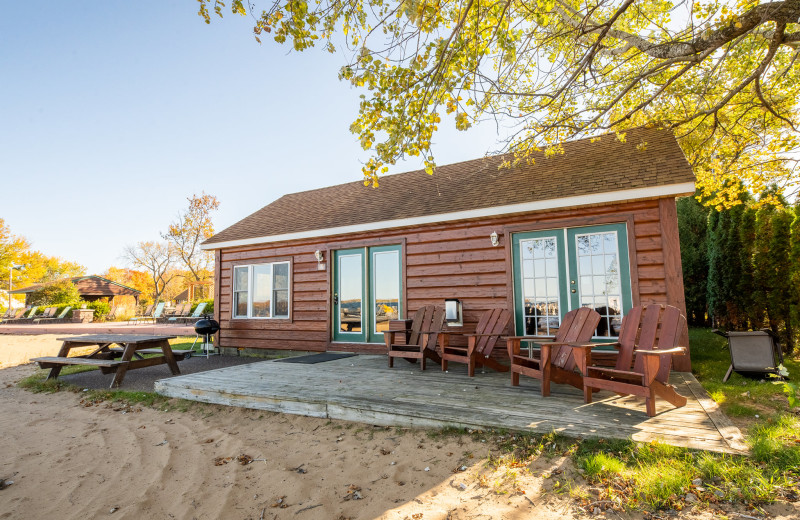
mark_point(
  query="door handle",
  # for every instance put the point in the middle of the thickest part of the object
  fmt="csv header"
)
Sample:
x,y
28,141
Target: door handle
x,y
335,299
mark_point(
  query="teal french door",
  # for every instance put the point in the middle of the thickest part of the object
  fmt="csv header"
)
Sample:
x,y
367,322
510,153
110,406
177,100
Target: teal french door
x,y
558,270
367,287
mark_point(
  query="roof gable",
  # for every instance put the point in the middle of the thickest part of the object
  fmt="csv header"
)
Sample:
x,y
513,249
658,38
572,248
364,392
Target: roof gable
x,y
587,168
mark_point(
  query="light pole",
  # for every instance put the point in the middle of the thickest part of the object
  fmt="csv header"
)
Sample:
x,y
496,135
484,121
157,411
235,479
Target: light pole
x,y
10,279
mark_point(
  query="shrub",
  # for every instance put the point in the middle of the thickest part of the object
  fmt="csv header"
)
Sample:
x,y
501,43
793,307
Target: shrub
x,y
55,293
101,309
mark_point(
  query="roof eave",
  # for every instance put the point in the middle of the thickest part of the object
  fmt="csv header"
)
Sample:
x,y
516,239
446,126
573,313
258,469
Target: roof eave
x,y
650,192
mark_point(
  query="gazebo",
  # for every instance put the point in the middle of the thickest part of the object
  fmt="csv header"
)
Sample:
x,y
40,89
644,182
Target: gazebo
x,y
91,288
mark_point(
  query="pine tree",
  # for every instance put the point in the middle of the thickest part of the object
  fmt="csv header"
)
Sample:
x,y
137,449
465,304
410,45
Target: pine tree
x,y
692,229
744,287
762,281
781,293
714,293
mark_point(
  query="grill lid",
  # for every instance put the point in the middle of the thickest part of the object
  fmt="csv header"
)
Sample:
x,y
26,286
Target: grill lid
x,y
206,326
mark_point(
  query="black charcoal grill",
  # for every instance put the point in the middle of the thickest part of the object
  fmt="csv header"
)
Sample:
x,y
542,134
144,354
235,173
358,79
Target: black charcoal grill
x,y
206,326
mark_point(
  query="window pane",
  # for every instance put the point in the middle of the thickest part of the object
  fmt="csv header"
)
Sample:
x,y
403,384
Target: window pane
x,y
240,278
262,290
281,279
386,287
351,287
240,304
282,303
540,286
600,287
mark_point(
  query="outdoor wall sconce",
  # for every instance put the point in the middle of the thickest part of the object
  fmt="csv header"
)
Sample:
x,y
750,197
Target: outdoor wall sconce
x,y
320,256
495,240
452,312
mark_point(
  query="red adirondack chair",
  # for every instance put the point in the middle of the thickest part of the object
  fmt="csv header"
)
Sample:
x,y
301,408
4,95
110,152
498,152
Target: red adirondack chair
x,y
491,325
555,361
648,338
421,338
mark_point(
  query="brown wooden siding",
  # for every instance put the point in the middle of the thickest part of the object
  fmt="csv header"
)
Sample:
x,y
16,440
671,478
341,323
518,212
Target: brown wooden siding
x,y
446,260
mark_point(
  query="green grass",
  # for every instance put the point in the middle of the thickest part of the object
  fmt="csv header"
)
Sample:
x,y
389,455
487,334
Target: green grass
x,y
739,396
657,476
37,383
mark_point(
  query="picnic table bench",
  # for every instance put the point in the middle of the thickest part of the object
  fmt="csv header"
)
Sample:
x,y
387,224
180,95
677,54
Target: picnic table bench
x,y
105,355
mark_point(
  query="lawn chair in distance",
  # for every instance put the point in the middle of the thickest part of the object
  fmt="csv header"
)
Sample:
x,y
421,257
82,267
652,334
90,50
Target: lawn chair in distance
x,y
52,318
153,316
198,312
753,353
14,314
29,317
180,311
148,312
49,312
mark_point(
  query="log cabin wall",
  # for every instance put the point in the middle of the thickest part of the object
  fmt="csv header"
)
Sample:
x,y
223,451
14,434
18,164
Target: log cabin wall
x,y
446,260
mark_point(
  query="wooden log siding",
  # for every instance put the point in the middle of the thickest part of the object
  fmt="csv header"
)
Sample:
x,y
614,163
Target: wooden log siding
x,y
446,260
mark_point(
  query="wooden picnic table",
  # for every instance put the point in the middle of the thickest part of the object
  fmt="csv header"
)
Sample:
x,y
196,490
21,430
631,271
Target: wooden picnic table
x,y
104,356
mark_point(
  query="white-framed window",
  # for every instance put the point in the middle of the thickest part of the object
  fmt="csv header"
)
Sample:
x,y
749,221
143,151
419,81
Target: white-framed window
x,y
261,290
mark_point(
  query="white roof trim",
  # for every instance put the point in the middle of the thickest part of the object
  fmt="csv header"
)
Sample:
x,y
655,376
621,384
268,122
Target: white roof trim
x,y
671,190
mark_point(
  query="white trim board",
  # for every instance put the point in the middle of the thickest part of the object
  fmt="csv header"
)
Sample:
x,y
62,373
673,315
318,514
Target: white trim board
x,y
671,190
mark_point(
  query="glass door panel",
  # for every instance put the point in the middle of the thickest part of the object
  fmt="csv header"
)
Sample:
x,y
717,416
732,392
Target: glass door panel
x,y
348,296
540,294
600,270
558,270
384,289
367,292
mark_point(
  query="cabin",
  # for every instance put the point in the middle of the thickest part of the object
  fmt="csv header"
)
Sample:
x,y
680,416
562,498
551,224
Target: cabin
x,y
332,268
91,288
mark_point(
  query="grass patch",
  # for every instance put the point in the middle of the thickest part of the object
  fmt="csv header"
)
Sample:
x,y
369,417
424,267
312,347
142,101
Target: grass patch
x,y
37,382
740,410
657,476
740,396
601,464
776,442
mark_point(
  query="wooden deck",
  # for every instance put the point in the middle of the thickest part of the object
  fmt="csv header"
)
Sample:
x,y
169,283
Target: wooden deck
x,y
364,389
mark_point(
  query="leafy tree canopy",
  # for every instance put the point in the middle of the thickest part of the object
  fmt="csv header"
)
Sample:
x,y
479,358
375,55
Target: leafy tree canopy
x,y
190,229
157,260
723,75
36,267
55,293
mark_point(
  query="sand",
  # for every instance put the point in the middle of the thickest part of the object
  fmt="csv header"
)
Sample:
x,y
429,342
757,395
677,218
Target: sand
x,y
17,350
68,458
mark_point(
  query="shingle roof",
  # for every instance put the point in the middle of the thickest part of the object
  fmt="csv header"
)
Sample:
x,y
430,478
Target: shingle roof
x,y
91,285
585,168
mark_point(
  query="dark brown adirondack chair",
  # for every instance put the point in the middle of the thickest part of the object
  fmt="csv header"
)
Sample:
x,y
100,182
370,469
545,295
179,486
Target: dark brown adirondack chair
x,y
491,325
555,361
421,338
648,338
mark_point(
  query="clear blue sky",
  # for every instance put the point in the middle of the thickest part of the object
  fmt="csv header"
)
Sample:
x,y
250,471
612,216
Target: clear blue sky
x,y
113,113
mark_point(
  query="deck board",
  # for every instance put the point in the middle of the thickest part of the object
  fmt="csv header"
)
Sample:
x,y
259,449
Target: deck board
x,y
364,389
